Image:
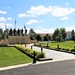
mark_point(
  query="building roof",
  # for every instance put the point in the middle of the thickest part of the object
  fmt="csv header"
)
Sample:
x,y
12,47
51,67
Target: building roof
x,y
68,32
43,34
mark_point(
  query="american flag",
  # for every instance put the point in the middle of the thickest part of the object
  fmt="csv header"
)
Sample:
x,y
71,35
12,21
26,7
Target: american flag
x,y
24,26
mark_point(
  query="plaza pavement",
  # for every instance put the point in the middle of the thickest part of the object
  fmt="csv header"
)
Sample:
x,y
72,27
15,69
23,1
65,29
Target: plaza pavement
x,y
56,55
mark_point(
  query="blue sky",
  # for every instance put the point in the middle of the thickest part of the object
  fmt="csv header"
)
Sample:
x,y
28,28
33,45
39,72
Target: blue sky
x,y
44,16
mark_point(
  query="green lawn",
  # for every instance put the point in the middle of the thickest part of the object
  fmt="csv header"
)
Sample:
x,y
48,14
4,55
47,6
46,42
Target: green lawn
x,y
12,56
66,44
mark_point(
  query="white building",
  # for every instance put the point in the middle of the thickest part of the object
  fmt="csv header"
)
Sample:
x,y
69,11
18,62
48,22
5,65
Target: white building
x,y
69,35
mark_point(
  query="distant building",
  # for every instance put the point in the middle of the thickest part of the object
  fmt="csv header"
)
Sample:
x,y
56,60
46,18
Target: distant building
x,y
69,35
43,34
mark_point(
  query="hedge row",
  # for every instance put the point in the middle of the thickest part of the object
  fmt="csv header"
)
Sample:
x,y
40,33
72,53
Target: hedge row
x,y
30,52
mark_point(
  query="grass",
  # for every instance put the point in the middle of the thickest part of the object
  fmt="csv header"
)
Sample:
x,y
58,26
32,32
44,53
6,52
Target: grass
x,y
11,56
67,44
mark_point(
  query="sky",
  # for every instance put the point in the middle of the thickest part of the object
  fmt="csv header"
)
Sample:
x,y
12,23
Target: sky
x,y
44,16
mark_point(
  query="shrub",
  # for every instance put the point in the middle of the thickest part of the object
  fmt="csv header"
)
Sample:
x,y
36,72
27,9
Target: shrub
x,y
66,49
73,50
40,55
30,52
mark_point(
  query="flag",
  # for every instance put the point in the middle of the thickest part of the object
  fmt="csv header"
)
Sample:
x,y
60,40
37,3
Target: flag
x,y
24,26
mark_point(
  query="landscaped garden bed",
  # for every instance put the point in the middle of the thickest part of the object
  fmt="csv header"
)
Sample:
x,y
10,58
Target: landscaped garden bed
x,y
67,46
30,52
11,56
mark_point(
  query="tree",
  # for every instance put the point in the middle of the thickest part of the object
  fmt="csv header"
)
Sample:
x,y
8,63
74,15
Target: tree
x,y
6,32
1,32
63,33
18,32
59,37
38,37
73,35
11,32
22,32
55,34
4,36
32,34
14,32
32,37
47,37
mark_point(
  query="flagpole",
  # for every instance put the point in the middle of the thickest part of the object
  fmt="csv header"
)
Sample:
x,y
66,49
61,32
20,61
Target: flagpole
x,y
15,23
24,29
5,26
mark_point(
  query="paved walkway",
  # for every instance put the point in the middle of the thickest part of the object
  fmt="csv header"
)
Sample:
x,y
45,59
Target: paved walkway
x,y
56,55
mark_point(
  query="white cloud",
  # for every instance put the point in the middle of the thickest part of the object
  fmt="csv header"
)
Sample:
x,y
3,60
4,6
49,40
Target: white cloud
x,y
9,18
55,11
2,19
51,30
8,25
70,28
44,30
2,25
21,15
38,10
64,18
2,12
59,11
32,21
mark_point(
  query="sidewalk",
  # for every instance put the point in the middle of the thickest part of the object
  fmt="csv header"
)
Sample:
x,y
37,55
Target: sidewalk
x,y
56,55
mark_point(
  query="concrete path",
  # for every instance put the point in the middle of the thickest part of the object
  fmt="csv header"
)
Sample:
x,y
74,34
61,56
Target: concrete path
x,y
56,55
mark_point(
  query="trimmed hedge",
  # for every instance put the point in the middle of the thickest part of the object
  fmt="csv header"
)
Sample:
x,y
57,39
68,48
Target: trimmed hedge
x,y
30,52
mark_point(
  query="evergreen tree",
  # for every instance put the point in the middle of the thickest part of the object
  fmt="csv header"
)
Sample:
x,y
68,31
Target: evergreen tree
x,y
32,34
22,32
47,37
63,33
55,34
18,32
73,35
14,32
38,37
11,32
1,32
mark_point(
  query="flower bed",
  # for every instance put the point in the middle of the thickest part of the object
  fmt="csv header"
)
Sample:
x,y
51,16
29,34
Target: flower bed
x,y
30,52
